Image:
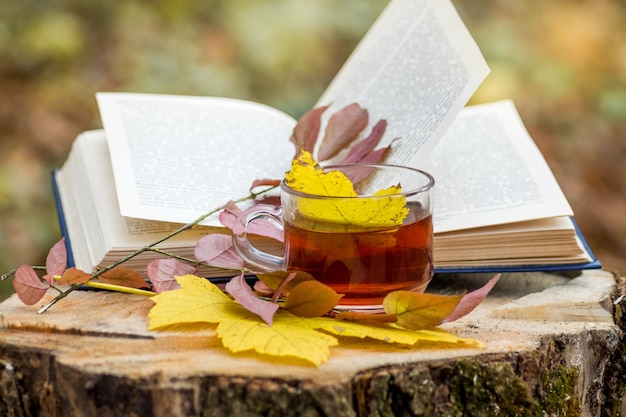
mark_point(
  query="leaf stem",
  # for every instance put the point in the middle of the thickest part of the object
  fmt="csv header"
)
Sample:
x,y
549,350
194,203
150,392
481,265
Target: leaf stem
x,y
149,247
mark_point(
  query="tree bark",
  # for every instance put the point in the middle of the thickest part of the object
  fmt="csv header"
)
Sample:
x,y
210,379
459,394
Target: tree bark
x,y
553,345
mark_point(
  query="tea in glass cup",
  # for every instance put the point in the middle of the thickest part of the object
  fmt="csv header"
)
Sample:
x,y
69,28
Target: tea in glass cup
x,y
362,246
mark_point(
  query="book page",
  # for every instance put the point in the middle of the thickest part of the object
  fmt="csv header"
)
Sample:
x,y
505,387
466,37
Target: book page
x,y
489,171
89,200
416,67
175,158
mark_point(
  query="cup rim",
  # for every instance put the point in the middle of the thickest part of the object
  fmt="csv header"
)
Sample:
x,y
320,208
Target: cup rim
x,y
426,187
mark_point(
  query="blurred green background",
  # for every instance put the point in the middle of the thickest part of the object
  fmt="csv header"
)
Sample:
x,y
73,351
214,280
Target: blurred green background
x,y
562,62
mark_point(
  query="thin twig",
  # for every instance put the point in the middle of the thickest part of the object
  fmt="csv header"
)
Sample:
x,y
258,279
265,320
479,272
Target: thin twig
x,y
178,257
194,262
11,273
149,247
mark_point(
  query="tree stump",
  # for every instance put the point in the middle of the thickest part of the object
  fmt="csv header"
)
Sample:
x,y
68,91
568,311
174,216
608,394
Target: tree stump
x,y
553,345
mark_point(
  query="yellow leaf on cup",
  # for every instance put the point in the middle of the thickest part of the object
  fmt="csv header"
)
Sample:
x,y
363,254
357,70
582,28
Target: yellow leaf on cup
x,y
307,176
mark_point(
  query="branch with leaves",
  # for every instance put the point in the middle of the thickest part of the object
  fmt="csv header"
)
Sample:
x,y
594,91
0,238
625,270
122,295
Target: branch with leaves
x,y
290,300
30,288
343,129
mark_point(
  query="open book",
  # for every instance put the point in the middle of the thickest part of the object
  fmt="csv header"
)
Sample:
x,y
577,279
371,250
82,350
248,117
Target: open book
x,y
166,160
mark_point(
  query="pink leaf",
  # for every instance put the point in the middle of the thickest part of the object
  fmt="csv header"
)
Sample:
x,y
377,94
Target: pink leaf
x,y
162,272
264,182
241,291
28,286
375,157
342,129
263,289
228,216
307,130
279,290
360,150
56,261
471,300
218,250
357,174
274,200
232,218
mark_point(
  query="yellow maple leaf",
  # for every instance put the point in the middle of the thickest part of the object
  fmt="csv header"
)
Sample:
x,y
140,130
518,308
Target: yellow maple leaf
x,y
198,300
286,337
307,176
308,339
387,332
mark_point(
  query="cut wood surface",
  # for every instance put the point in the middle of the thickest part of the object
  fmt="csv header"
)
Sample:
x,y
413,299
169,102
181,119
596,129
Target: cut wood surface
x,y
550,343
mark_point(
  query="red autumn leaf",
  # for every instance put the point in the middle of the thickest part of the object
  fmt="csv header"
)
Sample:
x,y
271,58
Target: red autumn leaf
x,y
162,273
228,216
123,276
282,287
263,290
241,291
28,286
218,250
264,228
56,261
362,149
311,299
307,130
273,200
375,157
265,182
342,129
471,300
356,174
73,276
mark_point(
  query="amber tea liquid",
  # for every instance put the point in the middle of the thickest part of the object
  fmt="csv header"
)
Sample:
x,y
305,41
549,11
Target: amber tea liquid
x,y
364,265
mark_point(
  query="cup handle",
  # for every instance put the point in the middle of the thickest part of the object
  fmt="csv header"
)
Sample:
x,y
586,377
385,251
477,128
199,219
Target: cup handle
x,y
248,252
